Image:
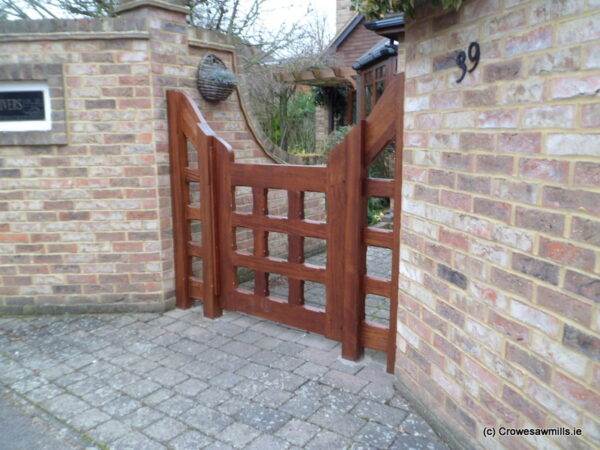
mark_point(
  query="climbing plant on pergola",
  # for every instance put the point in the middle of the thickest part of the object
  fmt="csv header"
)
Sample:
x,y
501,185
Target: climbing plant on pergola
x,y
374,9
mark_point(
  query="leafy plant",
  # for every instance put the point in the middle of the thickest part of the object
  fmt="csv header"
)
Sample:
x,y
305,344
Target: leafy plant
x,y
222,76
376,208
376,9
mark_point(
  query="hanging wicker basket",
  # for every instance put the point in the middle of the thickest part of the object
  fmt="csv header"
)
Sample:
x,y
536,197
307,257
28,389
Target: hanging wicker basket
x,y
215,81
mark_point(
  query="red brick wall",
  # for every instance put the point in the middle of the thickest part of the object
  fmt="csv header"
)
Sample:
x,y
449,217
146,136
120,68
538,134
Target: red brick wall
x,y
500,274
89,223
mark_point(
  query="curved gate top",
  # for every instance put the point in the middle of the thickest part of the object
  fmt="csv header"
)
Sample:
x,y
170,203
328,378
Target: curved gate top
x,y
346,185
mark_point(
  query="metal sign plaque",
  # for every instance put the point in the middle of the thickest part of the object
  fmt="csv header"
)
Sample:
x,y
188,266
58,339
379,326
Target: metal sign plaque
x,y
21,106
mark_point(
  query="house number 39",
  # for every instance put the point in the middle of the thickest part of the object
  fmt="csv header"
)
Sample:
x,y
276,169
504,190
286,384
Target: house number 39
x,y
474,53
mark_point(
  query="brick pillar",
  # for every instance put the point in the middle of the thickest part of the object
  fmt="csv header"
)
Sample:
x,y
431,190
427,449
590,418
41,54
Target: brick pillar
x,y
321,127
166,24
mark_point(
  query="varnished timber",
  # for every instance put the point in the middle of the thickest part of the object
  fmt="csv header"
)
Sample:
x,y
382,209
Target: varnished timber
x,y
346,186
354,261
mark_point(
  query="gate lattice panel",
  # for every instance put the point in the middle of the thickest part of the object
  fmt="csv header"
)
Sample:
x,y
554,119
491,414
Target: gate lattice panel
x,y
346,186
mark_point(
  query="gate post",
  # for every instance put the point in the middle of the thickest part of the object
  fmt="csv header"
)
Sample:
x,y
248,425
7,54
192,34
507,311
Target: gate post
x,y
355,265
179,197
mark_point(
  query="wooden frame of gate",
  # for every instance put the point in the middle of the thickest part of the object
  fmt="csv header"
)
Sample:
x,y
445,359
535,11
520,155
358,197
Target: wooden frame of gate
x,y
344,182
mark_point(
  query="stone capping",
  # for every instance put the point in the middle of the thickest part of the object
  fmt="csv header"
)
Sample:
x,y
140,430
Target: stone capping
x,y
211,45
74,26
53,75
129,5
76,36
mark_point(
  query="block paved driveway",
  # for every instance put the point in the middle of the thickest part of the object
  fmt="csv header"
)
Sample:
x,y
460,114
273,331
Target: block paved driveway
x,y
177,380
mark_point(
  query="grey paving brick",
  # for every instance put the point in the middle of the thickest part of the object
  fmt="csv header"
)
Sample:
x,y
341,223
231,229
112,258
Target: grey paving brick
x,y
248,388
190,440
273,398
311,370
136,441
234,405
298,432
225,380
101,396
212,397
141,388
387,415
381,392
335,420
191,387
343,381
110,431
416,426
65,405
267,442
239,434
167,377
241,349
301,406
88,419
142,417
376,435
165,429
121,406
207,420
408,442
326,440
263,418
176,405
158,397
340,400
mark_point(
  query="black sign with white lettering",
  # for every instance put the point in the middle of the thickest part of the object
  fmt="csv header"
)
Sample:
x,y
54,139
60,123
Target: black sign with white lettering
x,y
21,106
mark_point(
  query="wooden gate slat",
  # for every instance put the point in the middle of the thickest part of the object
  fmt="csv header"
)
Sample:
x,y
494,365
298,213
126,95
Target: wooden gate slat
x,y
295,246
298,178
281,225
261,240
270,264
298,316
379,237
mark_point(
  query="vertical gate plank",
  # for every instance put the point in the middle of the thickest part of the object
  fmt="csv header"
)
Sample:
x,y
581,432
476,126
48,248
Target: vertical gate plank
x,y
296,246
212,308
261,240
336,208
399,115
179,200
225,201
355,221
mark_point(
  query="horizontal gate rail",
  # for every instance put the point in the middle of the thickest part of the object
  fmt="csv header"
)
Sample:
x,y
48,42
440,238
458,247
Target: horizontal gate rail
x,y
299,178
309,228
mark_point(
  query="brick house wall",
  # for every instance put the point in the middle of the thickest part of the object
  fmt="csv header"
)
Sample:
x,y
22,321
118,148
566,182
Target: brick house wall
x,y
499,323
86,225
343,13
356,44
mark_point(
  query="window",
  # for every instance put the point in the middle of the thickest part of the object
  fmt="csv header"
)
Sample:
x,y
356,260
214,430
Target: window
x,y
25,106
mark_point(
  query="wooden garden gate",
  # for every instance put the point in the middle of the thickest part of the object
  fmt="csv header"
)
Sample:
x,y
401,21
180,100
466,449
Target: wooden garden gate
x,y
346,187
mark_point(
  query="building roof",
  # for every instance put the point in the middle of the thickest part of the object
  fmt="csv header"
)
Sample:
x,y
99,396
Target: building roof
x,y
346,31
392,27
379,51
